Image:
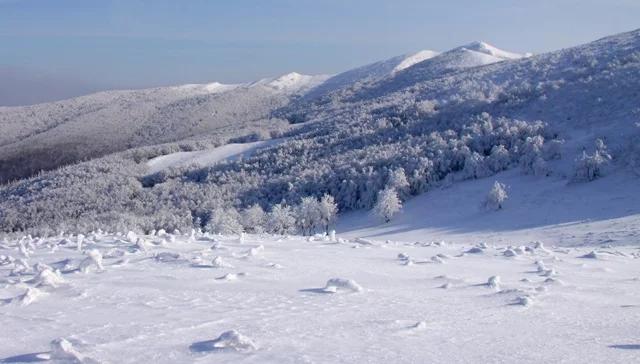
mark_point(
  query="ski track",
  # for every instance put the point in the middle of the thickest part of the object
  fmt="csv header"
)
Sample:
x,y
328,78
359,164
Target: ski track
x,y
156,310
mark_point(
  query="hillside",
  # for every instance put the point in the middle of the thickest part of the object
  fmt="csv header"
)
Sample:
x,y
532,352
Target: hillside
x,y
369,72
433,128
47,136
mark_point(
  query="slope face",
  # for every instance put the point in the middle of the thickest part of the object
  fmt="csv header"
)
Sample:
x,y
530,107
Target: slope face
x,y
369,72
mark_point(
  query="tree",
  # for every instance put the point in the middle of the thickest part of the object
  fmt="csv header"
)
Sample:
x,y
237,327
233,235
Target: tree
x,y
308,215
224,222
398,181
328,211
280,220
590,167
388,204
496,196
253,219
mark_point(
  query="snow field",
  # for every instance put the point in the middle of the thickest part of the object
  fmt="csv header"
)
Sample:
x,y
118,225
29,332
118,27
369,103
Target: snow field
x,y
325,302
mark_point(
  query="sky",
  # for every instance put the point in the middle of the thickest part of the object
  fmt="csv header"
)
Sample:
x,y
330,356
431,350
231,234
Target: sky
x,y
55,49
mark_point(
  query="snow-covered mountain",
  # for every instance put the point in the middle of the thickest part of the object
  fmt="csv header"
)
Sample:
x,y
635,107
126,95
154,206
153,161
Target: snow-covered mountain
x,y
45,136
371,71
380,79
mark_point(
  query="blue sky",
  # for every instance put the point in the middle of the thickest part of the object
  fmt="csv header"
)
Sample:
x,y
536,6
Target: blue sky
x,y
135,43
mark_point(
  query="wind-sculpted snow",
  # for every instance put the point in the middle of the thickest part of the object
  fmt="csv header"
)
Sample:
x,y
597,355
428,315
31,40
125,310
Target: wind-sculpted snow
x,y
164,305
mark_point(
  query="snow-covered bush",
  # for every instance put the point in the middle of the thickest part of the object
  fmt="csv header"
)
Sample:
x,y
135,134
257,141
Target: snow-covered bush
x,y
387,204
308,215
224,221
254,219
496,197
499,159
281,220
328,211
590,167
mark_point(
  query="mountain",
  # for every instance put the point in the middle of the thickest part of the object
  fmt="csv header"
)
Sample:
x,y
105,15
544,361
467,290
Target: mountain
x,y
380,79
468,113
369,72
46,136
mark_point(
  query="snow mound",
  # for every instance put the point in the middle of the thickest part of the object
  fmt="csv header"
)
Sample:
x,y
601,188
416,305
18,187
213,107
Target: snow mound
x,y
420,325
509,253
335,285
493,282
523,301
218,262
30,296
62,349
231,276
93,259
167,257
591,255
230,340
49,278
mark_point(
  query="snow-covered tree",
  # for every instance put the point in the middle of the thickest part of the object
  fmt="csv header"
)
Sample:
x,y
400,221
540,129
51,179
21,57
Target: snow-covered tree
x,y
223,221
475,166
590,167
496,196
253,219
308,215
281,219
387,205
328,211
499,159
398,181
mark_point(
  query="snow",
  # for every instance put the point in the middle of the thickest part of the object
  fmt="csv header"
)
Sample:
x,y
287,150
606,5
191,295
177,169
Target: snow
x,y
209,157
482,47
412,59
539,208
291,82
369,72
207,88
166,313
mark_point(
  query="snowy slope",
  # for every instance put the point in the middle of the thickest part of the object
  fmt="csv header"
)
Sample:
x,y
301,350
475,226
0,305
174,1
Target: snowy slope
x,y
607,211
369,72
472,55
208,157
291,82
